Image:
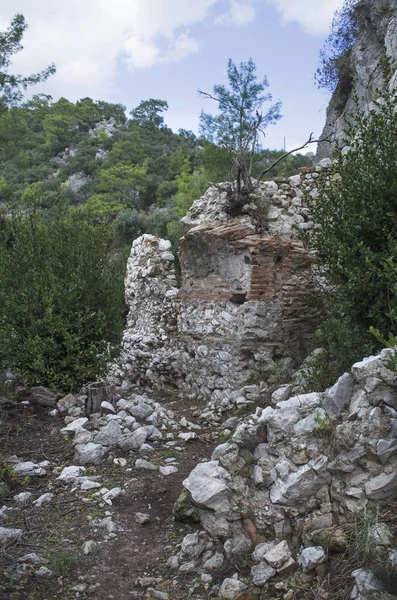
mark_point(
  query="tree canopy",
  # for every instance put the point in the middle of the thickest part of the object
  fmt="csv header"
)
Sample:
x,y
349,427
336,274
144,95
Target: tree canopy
x,y
11,86
240,122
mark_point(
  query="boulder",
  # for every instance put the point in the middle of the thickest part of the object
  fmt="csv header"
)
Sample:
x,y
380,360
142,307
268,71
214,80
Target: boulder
x,y
310,557
208,486
134,440
110,435
28,469
301,484
382,487
261,574
231,589
337,398
278,555
89,454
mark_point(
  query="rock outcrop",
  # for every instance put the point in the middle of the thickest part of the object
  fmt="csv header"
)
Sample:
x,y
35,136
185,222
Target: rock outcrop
x,y
247,299
377,21
295,473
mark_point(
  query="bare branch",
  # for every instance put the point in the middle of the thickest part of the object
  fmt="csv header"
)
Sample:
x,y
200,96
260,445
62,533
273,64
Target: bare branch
x,y
309,141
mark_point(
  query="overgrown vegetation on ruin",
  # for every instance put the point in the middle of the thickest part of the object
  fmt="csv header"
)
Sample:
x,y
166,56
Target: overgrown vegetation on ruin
x,y
355,235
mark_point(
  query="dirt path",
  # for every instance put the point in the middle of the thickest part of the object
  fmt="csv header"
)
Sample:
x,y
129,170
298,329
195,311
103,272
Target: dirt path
x,y
125,563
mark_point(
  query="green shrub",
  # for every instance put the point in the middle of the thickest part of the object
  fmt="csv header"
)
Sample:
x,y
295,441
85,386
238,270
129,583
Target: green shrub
x,y
355,238
61,299
334,67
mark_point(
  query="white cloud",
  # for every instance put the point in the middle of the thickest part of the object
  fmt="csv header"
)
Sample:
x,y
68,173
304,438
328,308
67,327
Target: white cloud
x,y
315,16
240,13
87,39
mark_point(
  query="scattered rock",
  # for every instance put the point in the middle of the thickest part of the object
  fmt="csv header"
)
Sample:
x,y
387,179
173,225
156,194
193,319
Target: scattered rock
x,y
311,557
89,547
7,534
89,454
43,499
261,574
231,589
141,518
29,469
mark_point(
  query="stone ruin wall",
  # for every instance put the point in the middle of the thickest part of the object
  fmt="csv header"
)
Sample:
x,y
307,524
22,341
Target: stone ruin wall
x,y
247,298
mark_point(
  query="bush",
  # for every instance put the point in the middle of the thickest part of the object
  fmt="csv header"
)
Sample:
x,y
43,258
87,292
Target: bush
x,y
356,235
132,223
334,69
61,299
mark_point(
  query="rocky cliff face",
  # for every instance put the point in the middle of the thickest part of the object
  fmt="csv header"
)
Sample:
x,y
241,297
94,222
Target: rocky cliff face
x,y
377,31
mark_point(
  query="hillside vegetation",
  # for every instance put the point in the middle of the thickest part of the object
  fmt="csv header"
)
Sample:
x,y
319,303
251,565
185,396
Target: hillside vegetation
x,y
135,172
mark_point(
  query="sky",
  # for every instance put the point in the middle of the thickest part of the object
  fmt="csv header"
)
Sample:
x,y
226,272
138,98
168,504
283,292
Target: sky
x,y
126,51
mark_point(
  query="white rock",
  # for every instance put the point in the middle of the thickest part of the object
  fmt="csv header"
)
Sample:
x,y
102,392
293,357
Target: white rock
x,y
44,499
208,485
262,549
83,436
338,397
110,435
278,555
311,557
43,572
89,454
90,485
261,574
168,470
112,495
70,474
23,497
107,408
141,463
29,469
311,422
231,589
366,585
141,518
134,440
89,547
74,425
381,487
214,563
302,484
7,533
301,402
187,436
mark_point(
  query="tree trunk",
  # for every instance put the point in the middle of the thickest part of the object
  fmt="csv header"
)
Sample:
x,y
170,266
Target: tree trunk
x,y
98,392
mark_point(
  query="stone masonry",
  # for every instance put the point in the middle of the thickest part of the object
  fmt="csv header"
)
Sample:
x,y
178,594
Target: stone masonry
x,y
247,301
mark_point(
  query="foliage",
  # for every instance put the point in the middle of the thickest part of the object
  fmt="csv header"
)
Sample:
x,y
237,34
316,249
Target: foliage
x,y
63,562
324,425
333,70
61,298
390,342
149,111
11,85
238,126
7,477
355,238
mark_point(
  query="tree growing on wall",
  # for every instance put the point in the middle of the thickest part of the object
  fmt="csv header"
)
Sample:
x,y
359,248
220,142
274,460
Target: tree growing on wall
x,y
240,123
